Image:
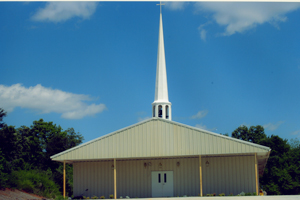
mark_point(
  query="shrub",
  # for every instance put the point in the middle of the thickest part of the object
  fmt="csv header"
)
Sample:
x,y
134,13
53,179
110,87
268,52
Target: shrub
x,y
34,181
241,194
102,197
94,197
111,196
222,194
61,198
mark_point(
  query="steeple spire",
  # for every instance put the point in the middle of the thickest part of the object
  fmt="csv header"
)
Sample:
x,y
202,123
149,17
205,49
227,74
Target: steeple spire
x,y
161,107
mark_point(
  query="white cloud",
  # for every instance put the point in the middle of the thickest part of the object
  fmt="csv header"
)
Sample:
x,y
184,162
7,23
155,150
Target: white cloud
x,y
203,31
201,126
143,118
203,34
297,133
242,16
245,124
175,5
62,11
200,114
46,100
272,127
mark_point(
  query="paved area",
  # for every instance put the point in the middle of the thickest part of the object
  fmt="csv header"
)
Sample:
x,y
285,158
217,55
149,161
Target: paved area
x,y
288,197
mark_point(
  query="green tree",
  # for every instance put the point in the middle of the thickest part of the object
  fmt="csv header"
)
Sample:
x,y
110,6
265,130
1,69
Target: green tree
x,y
294,143
11,147
50,140
257,133
278,178
2,114
29,149
3,174
254,134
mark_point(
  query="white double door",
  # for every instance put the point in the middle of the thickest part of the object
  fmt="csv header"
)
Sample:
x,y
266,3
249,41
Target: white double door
x,y
162,183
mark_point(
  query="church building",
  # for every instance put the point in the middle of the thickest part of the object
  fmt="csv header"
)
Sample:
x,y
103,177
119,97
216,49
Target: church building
x,y
162,158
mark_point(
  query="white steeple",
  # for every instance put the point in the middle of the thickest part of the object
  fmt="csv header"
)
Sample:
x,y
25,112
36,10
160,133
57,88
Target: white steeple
x,y
161,107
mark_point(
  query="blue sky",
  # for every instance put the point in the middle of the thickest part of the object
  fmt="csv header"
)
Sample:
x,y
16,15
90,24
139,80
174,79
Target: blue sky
x,y
91,65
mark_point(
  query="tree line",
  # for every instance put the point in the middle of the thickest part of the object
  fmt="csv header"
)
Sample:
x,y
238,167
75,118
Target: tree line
x,y
25,158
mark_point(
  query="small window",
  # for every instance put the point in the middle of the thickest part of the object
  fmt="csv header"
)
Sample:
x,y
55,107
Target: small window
x,y
165,176
160,111
159,178
167,112
153,111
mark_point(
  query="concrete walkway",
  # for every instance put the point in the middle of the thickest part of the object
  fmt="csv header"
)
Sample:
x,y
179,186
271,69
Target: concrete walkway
x,y
277,197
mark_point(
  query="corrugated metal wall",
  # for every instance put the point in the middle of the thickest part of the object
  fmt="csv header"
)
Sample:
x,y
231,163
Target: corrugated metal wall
x,y
97,177
224,174
229,175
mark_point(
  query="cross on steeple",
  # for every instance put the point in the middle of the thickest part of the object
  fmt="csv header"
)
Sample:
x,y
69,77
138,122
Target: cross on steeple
x,y
160,4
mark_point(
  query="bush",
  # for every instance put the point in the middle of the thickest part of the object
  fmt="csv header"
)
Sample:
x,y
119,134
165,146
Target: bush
x,y
111,196
61,198
222,194
33,181
102,197
241,194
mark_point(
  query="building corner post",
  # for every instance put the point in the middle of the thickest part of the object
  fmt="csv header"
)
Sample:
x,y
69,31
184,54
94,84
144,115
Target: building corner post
x,y
115,179
200,173
256,174
64,186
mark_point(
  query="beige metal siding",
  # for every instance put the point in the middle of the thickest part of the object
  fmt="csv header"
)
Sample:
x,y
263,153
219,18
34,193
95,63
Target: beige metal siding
x,y
97,177
228,175
133,178
157,138
223,175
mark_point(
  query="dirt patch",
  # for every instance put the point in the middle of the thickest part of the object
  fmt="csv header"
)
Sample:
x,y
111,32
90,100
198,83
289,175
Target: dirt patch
x,y
9,194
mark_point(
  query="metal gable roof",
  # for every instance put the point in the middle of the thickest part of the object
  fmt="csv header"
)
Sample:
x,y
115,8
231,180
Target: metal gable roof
x,y
157,137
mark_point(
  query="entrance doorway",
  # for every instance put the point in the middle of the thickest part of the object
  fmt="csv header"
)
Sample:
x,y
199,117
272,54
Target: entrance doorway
x,y
162,183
